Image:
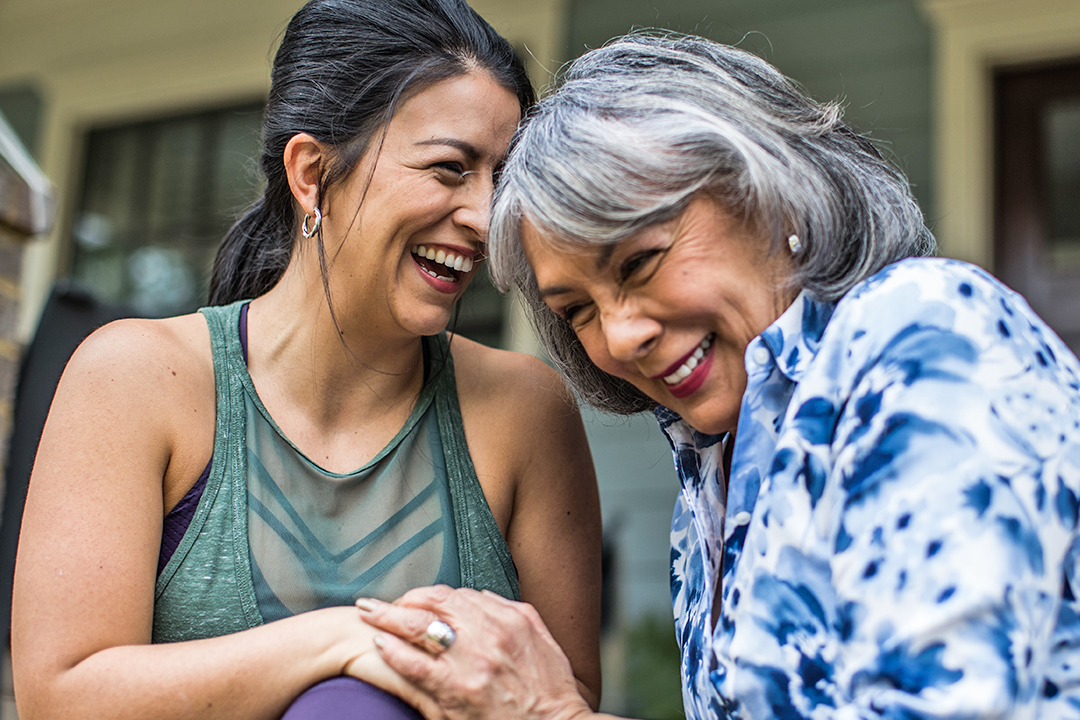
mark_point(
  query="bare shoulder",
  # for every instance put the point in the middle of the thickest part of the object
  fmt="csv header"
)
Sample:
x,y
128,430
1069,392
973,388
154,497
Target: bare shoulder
x,y
521,424
159,354
142,390
518,386
149,374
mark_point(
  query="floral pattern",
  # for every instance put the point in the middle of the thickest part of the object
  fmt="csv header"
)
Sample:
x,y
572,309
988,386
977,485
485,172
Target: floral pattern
x,y
898,538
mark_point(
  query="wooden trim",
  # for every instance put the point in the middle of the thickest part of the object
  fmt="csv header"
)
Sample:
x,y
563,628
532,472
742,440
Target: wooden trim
x,y
9,289
10,350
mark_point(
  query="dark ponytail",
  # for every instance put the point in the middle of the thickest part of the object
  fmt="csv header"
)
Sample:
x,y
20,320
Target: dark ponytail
x,y
341,70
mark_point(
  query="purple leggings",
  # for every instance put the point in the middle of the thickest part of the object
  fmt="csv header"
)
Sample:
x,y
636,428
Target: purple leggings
x,y
346,698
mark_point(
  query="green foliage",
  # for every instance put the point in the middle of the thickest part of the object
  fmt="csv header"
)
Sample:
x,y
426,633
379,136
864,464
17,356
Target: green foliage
x,y
652,670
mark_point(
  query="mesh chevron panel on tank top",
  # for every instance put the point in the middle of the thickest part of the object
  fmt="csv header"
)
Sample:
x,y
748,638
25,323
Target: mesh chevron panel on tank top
x,y
321,539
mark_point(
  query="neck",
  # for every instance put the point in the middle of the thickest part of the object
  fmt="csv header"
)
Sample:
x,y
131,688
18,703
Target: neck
x,y
338,363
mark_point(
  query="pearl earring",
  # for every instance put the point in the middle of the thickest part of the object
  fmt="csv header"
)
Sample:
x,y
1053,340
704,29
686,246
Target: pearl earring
x,y
795,244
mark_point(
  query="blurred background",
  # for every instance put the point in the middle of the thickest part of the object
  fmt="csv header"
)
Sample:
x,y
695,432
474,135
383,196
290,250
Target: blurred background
x,y
132,126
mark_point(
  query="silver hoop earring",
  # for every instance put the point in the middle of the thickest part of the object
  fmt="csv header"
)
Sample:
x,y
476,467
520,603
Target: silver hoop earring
x,y
795,244
314,227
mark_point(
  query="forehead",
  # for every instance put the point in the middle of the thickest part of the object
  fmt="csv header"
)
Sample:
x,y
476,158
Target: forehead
x,y
554,259
706,232
472,105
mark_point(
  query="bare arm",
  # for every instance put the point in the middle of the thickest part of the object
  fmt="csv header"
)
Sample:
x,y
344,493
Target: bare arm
x,y
531,431
555,538
86,569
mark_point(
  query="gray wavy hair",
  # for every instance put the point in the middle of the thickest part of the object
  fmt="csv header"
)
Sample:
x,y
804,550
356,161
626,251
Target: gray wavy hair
x,y
638,127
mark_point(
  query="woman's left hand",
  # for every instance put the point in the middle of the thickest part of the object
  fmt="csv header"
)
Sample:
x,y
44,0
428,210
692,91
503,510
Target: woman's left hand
x,y
503,663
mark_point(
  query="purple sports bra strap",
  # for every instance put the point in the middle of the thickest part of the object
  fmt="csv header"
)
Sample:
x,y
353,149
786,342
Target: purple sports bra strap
x,y
179,518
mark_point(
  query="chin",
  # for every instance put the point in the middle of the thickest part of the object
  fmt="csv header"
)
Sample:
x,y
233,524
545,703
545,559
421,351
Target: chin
x,y
429,324
428,328
710,429
710,423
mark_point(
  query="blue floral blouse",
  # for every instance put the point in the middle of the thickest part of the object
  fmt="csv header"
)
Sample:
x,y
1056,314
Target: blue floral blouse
x,y
899,535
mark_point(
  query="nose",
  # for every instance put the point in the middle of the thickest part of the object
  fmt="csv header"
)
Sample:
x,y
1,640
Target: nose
x,y
475,205
630,333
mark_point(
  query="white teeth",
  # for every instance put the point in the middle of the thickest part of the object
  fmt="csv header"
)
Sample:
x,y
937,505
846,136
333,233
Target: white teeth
x,y
449,259
692,362
437,275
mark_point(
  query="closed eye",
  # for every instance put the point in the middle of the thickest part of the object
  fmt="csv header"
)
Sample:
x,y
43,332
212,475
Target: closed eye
x,y
636,264
576,314
450,172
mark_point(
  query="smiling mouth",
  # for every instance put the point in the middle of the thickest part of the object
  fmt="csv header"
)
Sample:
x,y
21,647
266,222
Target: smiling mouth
x,y
442,265
684,370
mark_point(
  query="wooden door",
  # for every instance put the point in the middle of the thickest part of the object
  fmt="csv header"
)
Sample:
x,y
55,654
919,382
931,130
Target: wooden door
x,y
1037,191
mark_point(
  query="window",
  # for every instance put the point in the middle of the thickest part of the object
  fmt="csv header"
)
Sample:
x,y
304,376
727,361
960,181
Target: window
x,y
158,196
1037,220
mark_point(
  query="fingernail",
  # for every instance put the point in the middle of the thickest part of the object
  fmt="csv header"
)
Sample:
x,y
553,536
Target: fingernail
x,y
366,604
379,640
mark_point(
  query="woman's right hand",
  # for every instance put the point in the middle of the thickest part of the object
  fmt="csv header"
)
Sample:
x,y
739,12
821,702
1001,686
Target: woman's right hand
x,y
360,658
503,665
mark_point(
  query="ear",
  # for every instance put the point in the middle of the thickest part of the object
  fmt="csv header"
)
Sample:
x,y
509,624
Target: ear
x,y
304,157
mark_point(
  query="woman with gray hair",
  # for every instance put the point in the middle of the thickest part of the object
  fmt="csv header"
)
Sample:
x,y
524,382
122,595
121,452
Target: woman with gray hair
x,y
879,451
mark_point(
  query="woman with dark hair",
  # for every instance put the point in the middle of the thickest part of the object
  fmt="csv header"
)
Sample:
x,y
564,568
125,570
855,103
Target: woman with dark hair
x,y
213,492
879,451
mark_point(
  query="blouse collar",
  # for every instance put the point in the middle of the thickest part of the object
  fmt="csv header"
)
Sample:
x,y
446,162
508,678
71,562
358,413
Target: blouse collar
x,y
795,337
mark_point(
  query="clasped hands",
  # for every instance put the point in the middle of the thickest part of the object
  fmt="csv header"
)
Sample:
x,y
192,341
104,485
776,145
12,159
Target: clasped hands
x,y
501,663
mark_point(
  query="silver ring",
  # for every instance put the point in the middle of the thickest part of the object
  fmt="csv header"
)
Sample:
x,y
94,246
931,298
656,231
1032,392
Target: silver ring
x,y
438,637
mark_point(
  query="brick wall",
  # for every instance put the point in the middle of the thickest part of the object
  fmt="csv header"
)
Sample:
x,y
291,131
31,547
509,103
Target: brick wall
x,y
11,250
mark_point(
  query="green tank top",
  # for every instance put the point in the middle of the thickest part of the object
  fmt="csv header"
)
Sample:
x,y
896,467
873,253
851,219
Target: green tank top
x,y
274,534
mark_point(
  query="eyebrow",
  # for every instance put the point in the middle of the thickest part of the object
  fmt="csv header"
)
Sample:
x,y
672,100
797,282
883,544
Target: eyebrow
x,y
468,149
558,290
